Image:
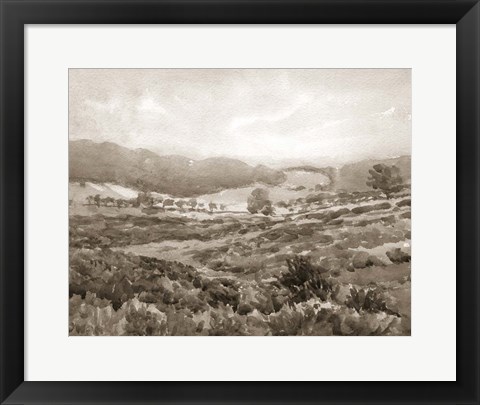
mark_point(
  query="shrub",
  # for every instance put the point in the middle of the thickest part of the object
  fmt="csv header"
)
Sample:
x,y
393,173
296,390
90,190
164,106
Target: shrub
x,y
347,322
223,323
398,256
367,300
221,291
304,280
368,208
338,213
144,199
181,203
192,202
364,259
317,197
244,309
286,323
143,322
258,202
405,203
168,202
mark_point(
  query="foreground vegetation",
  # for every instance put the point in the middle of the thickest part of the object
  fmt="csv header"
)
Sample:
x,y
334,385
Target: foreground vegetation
x,y
328,264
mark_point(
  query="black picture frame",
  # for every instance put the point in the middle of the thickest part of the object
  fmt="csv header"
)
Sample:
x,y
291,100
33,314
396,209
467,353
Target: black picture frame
x,y
15,14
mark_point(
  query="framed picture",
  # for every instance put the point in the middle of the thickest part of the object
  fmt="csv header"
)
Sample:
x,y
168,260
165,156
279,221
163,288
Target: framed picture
x,y
239,202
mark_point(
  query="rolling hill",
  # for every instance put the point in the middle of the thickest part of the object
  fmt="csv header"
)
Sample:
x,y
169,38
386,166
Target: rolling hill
x,y
142,169
353,176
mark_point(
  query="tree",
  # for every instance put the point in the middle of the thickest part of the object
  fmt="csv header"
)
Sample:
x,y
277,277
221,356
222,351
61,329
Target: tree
x,y
109,201
192,202
157,200
168,202
180,203
144,199
268,209
385,178
212,206
258,202
97,199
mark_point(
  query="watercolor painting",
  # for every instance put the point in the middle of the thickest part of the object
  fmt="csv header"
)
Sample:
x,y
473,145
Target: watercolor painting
x,y
251,202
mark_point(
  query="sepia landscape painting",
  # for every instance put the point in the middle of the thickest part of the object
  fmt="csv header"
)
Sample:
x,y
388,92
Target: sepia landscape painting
x,y
252,202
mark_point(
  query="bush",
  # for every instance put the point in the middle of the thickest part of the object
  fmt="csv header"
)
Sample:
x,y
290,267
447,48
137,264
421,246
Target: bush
x,y
304,280
364,259
367,300
318,197
143,322
398,256
368,208
405,203
258,202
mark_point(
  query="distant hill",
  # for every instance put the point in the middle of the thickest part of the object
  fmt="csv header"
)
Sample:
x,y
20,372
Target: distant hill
x,y
142,169
353,176
328,171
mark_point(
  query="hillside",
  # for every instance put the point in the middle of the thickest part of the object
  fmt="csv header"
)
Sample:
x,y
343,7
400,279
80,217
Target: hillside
x,y
177,175
353,176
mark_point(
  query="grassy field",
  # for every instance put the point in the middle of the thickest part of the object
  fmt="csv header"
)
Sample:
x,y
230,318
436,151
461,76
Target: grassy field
x,y
327,264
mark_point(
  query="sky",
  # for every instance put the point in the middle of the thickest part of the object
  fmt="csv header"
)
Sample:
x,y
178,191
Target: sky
x,y
258,115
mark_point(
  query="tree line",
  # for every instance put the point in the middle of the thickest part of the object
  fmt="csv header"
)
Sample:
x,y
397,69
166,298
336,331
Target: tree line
x,y
147,200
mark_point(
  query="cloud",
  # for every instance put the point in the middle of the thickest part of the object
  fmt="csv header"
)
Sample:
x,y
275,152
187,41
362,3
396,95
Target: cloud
x,y
109,106
149,105
239,122
283,114
385,114
393,113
